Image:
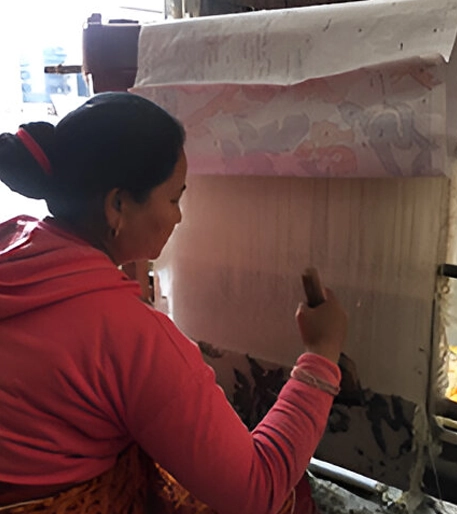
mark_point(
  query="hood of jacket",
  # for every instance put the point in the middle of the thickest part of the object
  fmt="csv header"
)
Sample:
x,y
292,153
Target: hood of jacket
x,y
40,264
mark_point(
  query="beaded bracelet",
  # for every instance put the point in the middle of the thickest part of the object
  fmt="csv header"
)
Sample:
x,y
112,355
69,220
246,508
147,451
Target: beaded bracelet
x,y
301,375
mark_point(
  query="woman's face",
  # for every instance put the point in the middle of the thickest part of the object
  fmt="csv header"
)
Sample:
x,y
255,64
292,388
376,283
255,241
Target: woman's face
x,y
144,228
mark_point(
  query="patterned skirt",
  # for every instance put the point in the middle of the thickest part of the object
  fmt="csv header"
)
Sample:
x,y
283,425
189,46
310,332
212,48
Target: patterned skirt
x,y
135,485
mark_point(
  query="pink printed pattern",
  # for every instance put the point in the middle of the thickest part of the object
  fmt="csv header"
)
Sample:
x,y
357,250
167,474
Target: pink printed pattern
x,y
366,123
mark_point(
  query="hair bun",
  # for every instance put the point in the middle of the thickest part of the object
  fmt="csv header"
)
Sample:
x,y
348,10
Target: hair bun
x,y
21,169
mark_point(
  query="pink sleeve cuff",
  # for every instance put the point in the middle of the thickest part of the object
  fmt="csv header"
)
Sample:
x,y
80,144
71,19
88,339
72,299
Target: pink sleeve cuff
x,y
320,367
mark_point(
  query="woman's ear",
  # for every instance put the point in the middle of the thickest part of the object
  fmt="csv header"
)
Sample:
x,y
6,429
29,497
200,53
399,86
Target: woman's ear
x,y
113,209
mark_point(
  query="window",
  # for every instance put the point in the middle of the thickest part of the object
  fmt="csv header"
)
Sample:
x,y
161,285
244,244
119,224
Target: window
x,y
443,394
48,33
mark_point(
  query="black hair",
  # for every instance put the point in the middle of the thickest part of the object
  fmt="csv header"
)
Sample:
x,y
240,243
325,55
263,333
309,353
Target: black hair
x,y
114,140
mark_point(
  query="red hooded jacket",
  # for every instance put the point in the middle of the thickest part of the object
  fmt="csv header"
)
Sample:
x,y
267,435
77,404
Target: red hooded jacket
x,y
86,368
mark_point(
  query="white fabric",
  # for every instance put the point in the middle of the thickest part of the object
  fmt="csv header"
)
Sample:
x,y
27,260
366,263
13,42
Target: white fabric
x,y
288,46
357,89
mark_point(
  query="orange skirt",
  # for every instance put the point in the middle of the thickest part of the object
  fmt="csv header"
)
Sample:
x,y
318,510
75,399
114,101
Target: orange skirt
x,y
135,485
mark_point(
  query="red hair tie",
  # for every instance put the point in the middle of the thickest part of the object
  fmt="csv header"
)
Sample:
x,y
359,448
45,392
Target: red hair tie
x,y
35,149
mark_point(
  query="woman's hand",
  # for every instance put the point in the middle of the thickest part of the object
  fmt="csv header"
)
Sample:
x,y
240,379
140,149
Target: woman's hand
x,y
323,329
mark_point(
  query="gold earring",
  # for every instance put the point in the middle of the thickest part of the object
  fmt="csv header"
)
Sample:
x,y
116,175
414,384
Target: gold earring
x,y
114,232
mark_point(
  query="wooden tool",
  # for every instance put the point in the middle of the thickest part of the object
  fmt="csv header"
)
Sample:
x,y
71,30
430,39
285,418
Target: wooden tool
x,y
313,288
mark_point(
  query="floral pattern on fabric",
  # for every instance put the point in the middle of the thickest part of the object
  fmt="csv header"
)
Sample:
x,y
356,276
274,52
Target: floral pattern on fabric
x,y
383,121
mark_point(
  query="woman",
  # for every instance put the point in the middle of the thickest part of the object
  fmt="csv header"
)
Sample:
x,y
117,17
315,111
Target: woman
x,y
89,373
